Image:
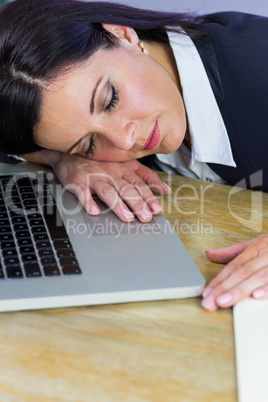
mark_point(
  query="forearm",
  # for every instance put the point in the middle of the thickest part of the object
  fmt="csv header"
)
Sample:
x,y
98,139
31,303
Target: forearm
x,y
44,157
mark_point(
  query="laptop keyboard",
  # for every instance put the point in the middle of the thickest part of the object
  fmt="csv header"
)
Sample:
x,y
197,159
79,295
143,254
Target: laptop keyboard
x,y
33,240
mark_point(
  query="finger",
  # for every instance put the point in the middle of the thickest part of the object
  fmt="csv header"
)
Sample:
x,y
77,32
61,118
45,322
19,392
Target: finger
x,y
131,196
246,254
260,293
223,255
110,197
252,272
90,205
85,197
150,177
145,193
244,289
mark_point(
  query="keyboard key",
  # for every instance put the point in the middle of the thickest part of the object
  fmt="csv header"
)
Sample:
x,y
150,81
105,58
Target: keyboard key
x,y
11,260
44,252
5,177
48,260
25,242
29,203
22,234
6,237
7,244
34,216
26,249
32,270
14,192
62,244
20,226
15,200
71,270
38,229
25,190
42,244
31,210
24,182
8,184
65,253
4,230
28,196
18,219
68,261
15,211
1,274
10,252
4,222
14,205
36,222
14,272
3,215
40,236
51,270
29,258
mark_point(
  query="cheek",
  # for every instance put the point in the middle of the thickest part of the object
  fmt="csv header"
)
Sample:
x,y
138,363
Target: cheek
x,y
141,101
138,99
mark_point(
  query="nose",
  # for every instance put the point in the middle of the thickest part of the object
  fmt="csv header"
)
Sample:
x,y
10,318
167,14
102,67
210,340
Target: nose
x,y
123,138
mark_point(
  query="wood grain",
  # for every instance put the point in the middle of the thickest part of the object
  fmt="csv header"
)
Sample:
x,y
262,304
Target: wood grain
x,y
148,351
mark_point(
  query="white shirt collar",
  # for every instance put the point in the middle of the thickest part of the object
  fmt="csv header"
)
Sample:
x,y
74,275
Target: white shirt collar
x,y
210,141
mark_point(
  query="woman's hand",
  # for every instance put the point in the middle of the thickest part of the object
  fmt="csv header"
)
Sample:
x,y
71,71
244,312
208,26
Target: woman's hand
x,y
120,185
246,273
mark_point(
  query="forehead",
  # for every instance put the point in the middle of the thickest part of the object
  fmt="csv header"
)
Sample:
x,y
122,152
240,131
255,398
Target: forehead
x,y
66,100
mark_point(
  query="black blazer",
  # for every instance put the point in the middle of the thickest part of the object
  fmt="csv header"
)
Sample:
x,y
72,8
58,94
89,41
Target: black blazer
x,y
235,56
234,52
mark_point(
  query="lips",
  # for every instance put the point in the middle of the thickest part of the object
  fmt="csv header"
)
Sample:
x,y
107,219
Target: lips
x,y
153,138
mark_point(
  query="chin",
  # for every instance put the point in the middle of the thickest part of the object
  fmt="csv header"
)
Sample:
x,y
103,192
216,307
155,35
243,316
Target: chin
x,y
172,146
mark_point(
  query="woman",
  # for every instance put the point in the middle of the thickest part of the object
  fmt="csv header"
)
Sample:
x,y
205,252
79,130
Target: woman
x,y
105,82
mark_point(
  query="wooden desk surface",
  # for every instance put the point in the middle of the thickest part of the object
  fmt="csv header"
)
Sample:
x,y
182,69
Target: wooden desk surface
x,y
148,351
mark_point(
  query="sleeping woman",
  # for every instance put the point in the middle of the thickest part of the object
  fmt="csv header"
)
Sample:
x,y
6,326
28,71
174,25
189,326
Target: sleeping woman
x,y
97,90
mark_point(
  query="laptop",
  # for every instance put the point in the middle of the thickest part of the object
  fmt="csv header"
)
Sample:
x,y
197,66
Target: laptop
x,y
54,254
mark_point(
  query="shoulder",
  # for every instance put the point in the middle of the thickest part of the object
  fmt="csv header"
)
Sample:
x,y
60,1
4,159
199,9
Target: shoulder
x,y
236,27
233,18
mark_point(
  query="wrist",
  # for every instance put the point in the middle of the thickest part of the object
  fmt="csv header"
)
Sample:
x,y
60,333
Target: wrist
x,y
44,156
50,157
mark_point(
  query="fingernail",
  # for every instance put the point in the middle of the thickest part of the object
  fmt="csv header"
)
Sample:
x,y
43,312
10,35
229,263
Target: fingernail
x,y
209,303
258,294
156,207
127,214
145,215
206,291
94,210
168,187
264,250
224,299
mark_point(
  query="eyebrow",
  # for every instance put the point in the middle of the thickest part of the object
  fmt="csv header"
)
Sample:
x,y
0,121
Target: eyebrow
x,y
92,105
92,108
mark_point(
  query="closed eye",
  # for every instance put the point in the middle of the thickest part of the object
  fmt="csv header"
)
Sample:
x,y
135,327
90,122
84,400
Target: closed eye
x,y
91,147
114,99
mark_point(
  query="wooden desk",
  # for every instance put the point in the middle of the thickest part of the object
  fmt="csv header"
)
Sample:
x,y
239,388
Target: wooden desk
x,y
148,351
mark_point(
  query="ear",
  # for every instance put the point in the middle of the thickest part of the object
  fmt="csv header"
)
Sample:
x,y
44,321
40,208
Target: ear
x,y
123,33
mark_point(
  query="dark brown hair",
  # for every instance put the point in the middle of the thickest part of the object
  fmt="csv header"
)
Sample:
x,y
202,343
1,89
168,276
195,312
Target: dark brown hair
x,y
40,38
